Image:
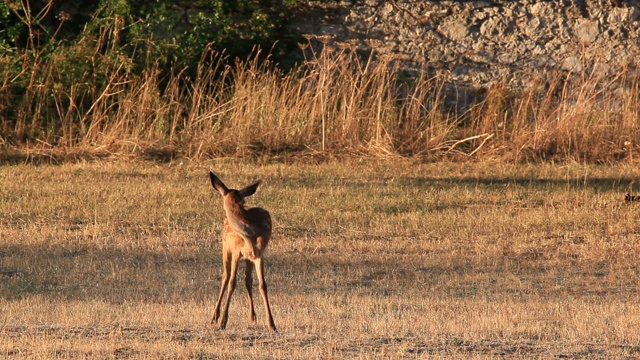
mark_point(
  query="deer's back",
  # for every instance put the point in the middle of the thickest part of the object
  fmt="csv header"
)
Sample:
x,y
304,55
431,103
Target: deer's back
x,y
260,222
260,219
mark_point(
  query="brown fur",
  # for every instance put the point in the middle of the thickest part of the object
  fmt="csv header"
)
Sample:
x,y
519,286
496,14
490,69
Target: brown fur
x,y
246,234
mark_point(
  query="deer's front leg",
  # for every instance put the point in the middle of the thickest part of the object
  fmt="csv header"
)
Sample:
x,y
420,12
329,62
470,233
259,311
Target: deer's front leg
x,y
231,288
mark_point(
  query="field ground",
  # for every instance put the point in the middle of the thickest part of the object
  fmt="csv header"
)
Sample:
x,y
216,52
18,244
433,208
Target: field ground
x,y
368,260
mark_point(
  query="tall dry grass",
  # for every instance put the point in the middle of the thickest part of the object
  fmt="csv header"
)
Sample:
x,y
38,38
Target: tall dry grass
x,y
335,101
586,118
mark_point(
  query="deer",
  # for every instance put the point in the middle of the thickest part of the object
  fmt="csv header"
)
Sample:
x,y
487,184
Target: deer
x,y
245,234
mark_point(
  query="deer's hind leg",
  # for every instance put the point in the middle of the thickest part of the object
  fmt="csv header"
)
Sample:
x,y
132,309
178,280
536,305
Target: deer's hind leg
x,y
248,281
262,284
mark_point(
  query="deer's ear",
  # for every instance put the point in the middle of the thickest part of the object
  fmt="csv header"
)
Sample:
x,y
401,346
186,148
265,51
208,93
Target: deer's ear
x,y
218,184
250,190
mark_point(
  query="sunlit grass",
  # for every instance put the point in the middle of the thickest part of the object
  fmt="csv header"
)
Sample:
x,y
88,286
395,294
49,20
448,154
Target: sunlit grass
x,y
368,260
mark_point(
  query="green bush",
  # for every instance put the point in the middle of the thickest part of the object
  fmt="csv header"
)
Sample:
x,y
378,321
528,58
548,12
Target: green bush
x,y
174,33
179,32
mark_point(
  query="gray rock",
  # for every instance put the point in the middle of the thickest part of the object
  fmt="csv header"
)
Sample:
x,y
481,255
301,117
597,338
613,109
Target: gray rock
x,y
634,14
454,30
490,41
572,64
495,26
435,55
587,31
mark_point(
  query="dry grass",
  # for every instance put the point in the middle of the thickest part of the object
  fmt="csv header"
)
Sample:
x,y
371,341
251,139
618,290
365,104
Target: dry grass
x,y
368,260
333,103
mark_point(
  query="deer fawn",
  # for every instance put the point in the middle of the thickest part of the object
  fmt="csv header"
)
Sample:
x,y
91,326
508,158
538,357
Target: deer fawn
x,y
245,235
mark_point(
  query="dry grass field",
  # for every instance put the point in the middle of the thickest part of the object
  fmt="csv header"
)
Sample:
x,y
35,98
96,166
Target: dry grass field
x,y
372,259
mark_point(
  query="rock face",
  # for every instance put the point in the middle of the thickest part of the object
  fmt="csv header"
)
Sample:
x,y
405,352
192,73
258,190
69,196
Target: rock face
x,y
483,42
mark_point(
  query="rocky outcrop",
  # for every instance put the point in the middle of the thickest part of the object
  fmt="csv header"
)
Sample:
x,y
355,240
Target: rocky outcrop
x,y
483,42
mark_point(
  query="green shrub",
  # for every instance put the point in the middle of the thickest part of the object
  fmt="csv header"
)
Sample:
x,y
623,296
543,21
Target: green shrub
x,y
175,33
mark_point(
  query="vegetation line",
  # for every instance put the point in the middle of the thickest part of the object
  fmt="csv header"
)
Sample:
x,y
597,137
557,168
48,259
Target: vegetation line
x,y
93,97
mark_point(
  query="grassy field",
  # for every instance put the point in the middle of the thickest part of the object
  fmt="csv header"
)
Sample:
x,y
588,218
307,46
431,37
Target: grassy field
x,y
372,259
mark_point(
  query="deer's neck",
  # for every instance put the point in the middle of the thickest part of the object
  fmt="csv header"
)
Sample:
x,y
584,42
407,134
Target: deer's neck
x,y
237,218
235,212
